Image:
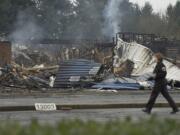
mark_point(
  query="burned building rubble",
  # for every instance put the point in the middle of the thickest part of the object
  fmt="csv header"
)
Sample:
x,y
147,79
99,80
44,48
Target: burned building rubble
x,y
143,60
35,66
25,74
136,61
143,64
5,53
77,73
125,65
15,76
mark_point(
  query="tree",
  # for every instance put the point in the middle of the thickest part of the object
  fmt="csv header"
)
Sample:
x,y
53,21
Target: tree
x,y
173,19
8,13
54,17
88,20
130,15
147,9
62,19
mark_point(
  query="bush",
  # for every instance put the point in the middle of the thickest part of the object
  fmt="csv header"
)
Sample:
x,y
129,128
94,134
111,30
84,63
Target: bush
x,y
152,126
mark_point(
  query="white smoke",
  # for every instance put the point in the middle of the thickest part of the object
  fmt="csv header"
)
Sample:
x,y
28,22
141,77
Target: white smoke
x,y
112,17
26,29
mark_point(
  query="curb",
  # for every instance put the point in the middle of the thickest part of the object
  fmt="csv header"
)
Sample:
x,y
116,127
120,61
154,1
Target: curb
x,y
84,106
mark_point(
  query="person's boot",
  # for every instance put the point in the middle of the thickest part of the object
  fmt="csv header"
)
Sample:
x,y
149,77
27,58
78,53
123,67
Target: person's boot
x,y
175,111
146,111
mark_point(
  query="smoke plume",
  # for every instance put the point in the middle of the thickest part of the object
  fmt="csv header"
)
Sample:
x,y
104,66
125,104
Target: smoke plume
x,y
26,29
112,17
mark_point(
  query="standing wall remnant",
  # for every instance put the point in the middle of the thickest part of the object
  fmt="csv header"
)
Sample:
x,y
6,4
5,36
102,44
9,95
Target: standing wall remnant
x,y
5,53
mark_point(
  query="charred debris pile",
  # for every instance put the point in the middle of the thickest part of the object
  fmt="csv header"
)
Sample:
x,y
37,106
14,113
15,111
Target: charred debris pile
x,y
13,75
36,66
124,66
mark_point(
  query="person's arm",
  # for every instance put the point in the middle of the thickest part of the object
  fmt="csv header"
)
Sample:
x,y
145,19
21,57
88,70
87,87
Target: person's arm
x,y
153,76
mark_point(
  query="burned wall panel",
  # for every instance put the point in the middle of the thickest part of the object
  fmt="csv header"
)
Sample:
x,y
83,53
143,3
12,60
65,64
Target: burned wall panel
x,y
5,53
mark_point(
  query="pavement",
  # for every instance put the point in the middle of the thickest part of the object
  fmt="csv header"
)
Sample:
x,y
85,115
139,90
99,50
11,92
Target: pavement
x,y
83,100
83,105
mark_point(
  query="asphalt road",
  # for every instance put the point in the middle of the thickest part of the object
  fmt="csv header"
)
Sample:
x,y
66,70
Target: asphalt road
x,y
134,97
99,115
85,98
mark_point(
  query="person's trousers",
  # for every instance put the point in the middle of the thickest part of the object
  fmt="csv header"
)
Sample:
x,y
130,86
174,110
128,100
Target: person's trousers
x,y
163,90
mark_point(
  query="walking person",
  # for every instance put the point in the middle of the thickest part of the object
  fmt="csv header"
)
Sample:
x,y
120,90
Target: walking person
x,y
160,86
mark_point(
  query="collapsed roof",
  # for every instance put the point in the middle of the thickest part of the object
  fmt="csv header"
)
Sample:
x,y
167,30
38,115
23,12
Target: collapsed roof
x,y
143,59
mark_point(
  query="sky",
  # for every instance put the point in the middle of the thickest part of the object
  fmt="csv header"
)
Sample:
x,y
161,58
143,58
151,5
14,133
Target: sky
x,y
158,5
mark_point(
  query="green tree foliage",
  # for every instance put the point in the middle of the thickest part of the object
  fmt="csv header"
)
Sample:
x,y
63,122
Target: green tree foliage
x,y
147,9
85,18
173,20
130,16
88,20
55,16
144,20
8,12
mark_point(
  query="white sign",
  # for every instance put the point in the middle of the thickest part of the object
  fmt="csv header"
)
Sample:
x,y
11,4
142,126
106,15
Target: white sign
x,y
45,106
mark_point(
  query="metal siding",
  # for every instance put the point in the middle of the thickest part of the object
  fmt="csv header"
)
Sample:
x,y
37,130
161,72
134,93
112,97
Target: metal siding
x,y
72,69
143,59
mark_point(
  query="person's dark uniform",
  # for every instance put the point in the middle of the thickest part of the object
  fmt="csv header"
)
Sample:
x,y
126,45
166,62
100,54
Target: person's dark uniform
x,y
160,87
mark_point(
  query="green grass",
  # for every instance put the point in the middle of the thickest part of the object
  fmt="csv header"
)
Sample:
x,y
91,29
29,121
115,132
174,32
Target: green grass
x,y
152,126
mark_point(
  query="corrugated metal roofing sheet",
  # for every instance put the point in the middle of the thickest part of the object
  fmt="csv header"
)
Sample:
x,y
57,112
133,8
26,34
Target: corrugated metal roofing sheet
x,y
143,59
76,72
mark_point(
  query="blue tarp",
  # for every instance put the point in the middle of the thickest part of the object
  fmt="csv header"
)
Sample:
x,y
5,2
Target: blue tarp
x,y
117,86
121,86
